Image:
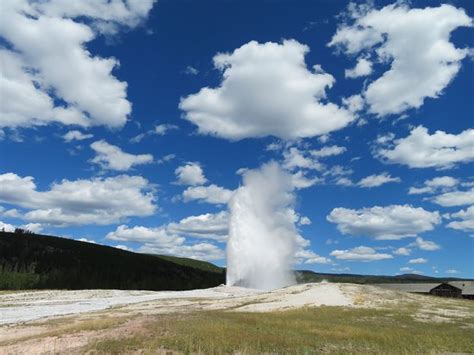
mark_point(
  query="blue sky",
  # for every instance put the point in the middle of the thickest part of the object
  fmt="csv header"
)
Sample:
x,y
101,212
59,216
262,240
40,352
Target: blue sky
x,y
130,124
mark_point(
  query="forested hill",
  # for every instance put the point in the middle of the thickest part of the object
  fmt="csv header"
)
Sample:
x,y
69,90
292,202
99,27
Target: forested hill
x,y
31,261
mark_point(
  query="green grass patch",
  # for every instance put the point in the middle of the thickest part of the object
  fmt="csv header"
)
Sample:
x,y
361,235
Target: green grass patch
x,y
323,329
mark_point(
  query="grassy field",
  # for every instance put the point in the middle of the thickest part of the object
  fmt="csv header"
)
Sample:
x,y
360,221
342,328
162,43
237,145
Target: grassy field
x,y
378,321
324,329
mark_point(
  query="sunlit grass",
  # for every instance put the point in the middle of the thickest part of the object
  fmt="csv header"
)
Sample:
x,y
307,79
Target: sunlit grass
x,y
323,329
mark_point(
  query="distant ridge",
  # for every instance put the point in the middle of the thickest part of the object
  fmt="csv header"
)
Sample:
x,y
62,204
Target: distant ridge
x,y
33,261
303,276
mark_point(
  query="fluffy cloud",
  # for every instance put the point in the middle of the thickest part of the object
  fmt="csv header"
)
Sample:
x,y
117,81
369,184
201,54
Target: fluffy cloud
x,y
430,186
266,90
96,201
211,194
111,157
421,150
301,181
418,261
328,151
141,234
297,159
402,251
442,181
209,226
466,220
162,129
361,253
425,244
23,103
6,227
304,221
344,181
384,223
76,135
106,16
32,227
159,130
305,256
49,56
419,243
190,174
161,241
391,34
362,68
294,158
301,161
354,103
377,180
455,198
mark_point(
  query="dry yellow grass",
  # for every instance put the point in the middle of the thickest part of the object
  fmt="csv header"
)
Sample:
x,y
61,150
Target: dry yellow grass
x,y
323,329
378,321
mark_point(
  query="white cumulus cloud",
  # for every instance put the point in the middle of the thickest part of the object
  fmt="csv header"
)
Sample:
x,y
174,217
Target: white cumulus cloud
x,y
420,149
384,223
465,220
418,261
402,251
211,194
190,174
433,185
80,202
425,244
362,68
208,226
76,135
414,42
361,253
266,89
48,60
111,157
161,241
455,198
305,256
162,129
377,180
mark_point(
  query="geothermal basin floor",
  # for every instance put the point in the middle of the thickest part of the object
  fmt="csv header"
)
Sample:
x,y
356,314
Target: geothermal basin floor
x,y
74,321
23,308
17,307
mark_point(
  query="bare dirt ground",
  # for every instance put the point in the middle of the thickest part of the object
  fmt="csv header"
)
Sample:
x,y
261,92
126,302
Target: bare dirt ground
x,y
66,321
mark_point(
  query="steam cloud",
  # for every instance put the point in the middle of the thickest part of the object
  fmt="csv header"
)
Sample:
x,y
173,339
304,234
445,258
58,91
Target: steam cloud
x,y
262,234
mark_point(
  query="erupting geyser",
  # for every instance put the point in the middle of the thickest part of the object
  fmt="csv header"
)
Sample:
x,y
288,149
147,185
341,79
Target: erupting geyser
x,y
262,232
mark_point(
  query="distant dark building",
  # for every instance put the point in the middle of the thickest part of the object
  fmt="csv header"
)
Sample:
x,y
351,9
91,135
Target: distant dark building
x,y
446,290
467,288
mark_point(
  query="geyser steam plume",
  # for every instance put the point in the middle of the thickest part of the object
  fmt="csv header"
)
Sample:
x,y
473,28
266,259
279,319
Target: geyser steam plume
x,y
262,232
